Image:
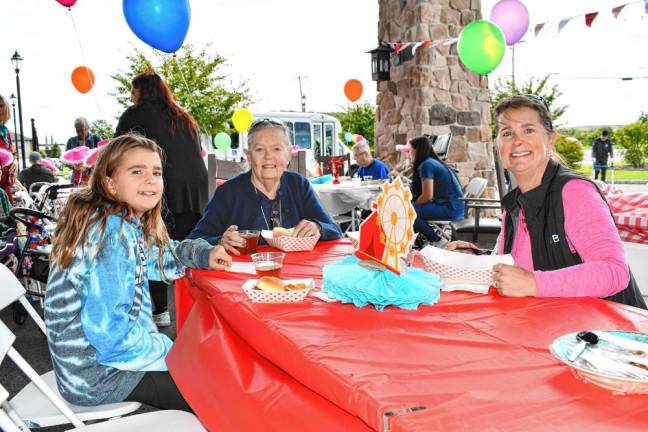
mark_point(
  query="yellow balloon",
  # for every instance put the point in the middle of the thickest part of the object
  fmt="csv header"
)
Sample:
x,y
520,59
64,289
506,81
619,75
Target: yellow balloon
x,y
242,119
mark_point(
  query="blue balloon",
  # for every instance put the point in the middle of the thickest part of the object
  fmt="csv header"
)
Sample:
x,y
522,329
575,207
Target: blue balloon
x,y
162,24
348,137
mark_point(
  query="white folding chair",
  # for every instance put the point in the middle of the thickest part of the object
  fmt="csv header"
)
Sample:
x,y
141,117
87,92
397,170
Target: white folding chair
x,y
29,403
11,419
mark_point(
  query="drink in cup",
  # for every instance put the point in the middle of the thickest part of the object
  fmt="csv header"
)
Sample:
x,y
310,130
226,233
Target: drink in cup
x,y
251,238
268,263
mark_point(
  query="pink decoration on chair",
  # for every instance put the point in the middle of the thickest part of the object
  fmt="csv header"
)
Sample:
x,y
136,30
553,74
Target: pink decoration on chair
x,y
91,157
103,142
6,158
49,164
75,156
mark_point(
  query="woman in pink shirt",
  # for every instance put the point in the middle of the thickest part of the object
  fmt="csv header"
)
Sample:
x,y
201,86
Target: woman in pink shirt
x,y
557,225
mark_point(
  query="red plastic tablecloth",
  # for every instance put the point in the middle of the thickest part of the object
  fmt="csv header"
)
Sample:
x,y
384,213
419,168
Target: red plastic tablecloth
x,y
475,362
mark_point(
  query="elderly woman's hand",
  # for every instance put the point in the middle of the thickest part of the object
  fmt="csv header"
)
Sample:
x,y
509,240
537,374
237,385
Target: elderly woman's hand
x,y
218,258
513,281
306,228
230,240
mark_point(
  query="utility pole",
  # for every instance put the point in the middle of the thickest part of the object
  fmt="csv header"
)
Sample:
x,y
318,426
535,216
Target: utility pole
x,y
302,96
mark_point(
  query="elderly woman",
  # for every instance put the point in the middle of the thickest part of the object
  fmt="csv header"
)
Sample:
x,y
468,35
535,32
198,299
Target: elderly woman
x,y
266,196
557,225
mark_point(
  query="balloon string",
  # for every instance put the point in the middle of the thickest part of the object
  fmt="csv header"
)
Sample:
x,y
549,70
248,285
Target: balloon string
x,y
76,33
184,80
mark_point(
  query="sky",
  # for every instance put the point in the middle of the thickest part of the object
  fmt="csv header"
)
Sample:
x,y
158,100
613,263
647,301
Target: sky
x,y
269,43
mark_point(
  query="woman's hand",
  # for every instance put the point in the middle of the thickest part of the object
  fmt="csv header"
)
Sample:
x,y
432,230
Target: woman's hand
x,y
218,258
461,247
513,281
306,228
231,240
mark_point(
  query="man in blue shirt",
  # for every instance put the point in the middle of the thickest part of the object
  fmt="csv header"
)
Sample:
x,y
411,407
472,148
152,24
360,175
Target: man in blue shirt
x,y
368,165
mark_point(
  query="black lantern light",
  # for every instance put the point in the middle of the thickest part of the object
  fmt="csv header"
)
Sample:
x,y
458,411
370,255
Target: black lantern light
x,y
16,59
380,62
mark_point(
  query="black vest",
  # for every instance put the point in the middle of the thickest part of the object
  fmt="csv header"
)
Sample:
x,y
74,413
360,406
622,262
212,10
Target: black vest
x,y
544,212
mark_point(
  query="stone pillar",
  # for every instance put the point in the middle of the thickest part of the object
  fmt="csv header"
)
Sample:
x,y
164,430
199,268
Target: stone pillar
x,y
433,93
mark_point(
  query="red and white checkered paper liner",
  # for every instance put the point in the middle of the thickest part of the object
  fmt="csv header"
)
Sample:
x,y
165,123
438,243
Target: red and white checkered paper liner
x,y
452,273
258,296
630,212
289,243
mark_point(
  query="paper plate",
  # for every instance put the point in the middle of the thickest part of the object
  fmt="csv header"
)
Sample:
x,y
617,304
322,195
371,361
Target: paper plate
x,y
289,243
618,362
258,296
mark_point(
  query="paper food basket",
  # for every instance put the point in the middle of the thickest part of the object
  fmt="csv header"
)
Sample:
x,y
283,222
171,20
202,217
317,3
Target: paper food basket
x,y
258,296
289,243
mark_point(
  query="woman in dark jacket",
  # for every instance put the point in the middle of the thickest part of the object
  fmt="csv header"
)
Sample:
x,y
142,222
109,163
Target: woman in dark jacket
x,y
156,115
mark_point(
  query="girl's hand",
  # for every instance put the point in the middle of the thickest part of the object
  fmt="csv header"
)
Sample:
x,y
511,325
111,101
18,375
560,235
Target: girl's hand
x,y
218,258
231,240
306,228
513,281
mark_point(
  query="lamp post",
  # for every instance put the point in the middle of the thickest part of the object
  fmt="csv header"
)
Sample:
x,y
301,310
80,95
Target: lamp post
x,y
302,96
16,59
13,106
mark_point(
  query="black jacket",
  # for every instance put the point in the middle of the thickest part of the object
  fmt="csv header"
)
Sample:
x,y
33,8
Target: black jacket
x,y
601,149
35,173
543,209
185,174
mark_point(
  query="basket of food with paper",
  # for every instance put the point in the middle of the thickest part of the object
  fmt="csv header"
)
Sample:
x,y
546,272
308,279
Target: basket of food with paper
x,y
615,360
461,271
269,289
283,239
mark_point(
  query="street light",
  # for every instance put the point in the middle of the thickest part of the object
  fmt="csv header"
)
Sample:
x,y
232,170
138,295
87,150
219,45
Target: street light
x,y
12,98
16,59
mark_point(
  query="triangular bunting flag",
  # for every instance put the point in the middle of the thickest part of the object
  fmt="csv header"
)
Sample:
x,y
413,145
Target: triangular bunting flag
x,y
617,10
563,23
538,27
589,18
418,45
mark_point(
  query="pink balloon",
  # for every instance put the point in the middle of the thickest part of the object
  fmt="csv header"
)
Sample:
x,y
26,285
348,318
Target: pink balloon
x,y
203,152
359,138
403,148
67,3
512,16
294,150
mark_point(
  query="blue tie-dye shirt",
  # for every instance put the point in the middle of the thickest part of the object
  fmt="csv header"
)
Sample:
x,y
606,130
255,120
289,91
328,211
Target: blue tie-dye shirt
x,y
98,314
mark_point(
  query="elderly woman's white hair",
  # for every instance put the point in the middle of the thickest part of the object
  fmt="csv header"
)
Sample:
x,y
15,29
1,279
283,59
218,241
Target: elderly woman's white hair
x,y
259,125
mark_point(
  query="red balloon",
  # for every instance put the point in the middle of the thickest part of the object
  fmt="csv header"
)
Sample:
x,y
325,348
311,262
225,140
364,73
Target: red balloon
x,y
67,3
353,90
83,79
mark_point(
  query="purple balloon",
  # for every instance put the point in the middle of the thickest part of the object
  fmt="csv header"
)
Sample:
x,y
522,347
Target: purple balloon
x,y
512,16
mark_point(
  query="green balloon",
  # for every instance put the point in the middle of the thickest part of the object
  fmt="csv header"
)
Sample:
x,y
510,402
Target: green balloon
x,y
481,46
222,141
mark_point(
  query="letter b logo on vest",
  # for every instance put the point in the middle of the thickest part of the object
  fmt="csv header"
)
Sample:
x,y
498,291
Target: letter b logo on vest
x,y
555,238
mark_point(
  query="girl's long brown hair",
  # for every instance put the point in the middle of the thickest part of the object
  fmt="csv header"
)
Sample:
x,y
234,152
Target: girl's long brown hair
x,y
94,203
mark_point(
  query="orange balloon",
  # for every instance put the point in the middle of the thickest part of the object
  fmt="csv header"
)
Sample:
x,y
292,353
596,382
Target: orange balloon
x,y
83,79
353,90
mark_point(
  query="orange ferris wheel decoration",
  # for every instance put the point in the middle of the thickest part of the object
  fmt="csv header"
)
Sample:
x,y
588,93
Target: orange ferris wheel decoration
x,y
387,234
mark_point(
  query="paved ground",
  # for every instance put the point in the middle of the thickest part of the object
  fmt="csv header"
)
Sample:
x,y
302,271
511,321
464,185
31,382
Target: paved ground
x,y
31,344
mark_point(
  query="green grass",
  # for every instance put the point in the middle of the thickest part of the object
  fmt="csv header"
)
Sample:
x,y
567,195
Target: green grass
x,y
618,174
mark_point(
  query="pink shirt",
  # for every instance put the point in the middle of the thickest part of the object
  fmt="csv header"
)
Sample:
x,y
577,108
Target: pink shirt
x,y
591,232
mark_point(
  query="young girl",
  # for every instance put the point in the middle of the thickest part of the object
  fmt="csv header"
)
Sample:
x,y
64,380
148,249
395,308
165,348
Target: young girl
x,y
109,242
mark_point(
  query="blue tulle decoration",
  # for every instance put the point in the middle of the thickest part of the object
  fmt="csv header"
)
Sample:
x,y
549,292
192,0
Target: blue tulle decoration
x,y
347,281
322,179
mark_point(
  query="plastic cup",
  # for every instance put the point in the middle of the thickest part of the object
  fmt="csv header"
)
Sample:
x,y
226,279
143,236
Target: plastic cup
x,y
268,263
251,238
367,178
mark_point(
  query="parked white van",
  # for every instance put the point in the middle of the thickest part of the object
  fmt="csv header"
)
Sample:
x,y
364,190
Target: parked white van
x,y
315,133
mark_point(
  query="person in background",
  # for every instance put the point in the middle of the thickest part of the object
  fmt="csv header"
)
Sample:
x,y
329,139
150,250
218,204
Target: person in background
x,y
110,240
436,191
8,176
36,172
265,197
156,115
601,149
556,224
83,136
368,165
